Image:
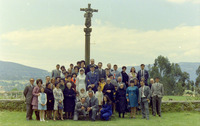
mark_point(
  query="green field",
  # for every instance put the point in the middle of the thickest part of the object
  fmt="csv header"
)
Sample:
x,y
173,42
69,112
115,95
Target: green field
x,y
168,119
180,98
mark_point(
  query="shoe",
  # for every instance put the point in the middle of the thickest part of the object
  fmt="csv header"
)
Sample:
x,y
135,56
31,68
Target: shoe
x,y
143,117
160,116
92,120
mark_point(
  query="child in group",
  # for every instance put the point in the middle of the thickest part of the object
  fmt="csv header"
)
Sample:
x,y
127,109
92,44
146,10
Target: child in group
x,y
99,96
62,84
83,94
102,83
89,89
74,75
77,97
42,101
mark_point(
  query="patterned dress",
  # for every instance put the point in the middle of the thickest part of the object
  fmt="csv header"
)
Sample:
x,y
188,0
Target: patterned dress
x,y
58,96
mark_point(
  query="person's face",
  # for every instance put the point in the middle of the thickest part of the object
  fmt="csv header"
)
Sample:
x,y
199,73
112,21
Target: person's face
x,y
47,79
76,70
107,72
133,69
142,67
32,81
57,67
142,83
142,79
82,91
111,77
74,76
71,66
69,70
151,81
103,81
49,86
90,94
69,78
53,81
135,82
108,81
58,79
79,64
66,75
109,66
157,80
82,64
81,72
99,88
105,99
92,61
99,65
58,86
92,69
42,90
39,84
124,69
119,79
68,86
62,82
132,84
115,67
121,86
82,100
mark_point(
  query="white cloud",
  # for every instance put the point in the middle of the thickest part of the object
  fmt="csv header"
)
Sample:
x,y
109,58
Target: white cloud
x,y
184,1
43,48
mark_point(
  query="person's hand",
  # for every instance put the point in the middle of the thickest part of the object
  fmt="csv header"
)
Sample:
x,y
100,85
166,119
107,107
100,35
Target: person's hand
x,y
88,109
38,94
127,100
49,100
92,85
148,100
108,91
60,101
127,95
100,109
82,107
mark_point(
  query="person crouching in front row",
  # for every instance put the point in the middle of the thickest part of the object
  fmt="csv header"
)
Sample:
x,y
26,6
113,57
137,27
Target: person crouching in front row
x,y
106,110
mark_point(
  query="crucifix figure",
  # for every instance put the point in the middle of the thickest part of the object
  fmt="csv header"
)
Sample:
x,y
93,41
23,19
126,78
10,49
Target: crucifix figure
x,y
88,15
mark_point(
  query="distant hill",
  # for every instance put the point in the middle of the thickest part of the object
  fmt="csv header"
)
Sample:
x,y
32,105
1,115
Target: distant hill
x,y
188,67
15,71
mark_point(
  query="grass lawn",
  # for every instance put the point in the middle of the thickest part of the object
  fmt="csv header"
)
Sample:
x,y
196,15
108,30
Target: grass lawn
x,y
168,119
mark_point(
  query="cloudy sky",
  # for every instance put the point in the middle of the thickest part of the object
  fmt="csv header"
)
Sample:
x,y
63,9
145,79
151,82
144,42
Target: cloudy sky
x,y
42,33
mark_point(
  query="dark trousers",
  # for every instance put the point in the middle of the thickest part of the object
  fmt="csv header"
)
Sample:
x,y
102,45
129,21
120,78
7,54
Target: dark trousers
x,y
29,111
145,108
93,114
157,105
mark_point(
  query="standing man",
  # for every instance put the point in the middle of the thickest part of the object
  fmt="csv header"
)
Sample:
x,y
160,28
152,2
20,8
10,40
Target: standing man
x,y
116,73
92,78
101,72
157,90
93,106
109,89
144,99
28,95
56,73
80,108
143,73
109,67
91,64
151,101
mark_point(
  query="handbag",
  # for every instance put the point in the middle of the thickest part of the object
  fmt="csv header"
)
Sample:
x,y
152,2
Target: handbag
x,y
60,106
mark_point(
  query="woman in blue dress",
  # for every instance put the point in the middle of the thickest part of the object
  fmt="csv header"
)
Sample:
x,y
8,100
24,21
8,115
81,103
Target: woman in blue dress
x,y
106,110
42,101
132,94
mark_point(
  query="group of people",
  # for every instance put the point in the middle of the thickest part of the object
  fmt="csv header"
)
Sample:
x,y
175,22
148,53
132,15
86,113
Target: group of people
x,y
91,90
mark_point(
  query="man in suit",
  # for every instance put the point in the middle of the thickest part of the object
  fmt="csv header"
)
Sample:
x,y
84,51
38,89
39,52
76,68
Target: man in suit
x,y
80,108
109,67
101,72
143,74
144,99
93,106
119,82
91,64
56,73
28,95
116,73
92,78
157,91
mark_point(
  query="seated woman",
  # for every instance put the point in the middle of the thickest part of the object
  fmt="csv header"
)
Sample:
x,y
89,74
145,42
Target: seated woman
x,y
106,110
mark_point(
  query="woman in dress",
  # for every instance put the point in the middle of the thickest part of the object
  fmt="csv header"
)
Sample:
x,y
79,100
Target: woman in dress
x,y
80,80
58,101
132,94
50,100
36,93
121,100
69,100
42,101
132,75
106,110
